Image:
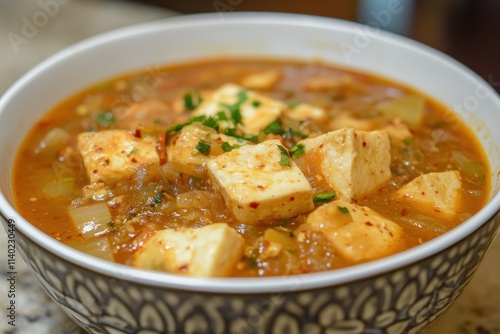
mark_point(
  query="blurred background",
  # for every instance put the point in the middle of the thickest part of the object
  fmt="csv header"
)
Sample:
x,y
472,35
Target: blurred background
x,y
467,30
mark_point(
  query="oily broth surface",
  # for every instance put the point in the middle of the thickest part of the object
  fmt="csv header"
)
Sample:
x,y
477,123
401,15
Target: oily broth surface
x,y
431,149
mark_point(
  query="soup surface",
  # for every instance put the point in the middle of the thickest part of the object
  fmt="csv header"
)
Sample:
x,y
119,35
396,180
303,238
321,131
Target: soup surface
x,y
248,167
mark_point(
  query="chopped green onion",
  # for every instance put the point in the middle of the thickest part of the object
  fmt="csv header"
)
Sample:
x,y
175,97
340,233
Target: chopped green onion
x,y
324,197
256,103
158,198
105,118
343,209
133,150
221,116
297,150
282,223
227,147
275,128
285,158
407,141
249,137
203,147
192,100
293,105
291,251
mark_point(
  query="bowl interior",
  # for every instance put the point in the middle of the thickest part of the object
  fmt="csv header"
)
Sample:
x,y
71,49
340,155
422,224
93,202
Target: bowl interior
x,y
148,46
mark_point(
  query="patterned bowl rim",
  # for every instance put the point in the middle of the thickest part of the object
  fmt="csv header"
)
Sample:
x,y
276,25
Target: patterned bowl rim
x,y
261,284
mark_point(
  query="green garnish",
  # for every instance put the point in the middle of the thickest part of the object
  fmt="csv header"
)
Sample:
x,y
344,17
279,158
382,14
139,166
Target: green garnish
x,y
110,223
227,147
407,141
293,105
343,209
133,150
221,116
275,128
324,197
291,251
207,121
297,150
158,198
282,223
234,109
105,118
203,147
192,100
68,179
285,158
232,132
256,103
295,133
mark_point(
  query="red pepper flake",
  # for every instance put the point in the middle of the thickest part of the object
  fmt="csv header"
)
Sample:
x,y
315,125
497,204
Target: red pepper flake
x,y
133,160
292,199
137,133
423,193
404,212
94,171
183,268
254,205
364,144
368,224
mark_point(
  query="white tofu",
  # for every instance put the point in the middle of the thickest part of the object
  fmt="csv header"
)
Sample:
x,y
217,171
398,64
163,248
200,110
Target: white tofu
x,y
361,234
305,112
353,162
254,118
256,187
346,120
112,155
209,251
261,81
398,131
434,193
181,149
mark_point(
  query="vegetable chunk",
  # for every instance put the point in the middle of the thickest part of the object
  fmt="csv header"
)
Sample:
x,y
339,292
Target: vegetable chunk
x,y
356,232
111,155
209,251
235,100
261,182
353,162
434,193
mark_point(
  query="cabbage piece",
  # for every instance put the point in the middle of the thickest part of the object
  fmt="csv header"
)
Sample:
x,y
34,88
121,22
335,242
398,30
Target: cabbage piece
x,y
92,220
410,108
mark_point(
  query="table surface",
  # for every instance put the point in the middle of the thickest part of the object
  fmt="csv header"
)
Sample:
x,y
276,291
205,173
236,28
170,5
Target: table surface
x,y
477,310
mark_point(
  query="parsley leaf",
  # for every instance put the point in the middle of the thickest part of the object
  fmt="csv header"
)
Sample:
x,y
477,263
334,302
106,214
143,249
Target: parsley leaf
x,y
227,147
256,103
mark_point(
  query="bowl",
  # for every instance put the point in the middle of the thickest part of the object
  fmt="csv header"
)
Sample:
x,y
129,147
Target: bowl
x,y
402,293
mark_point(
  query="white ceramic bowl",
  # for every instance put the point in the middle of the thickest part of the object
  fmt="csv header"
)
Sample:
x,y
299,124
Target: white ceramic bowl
x,y
402,293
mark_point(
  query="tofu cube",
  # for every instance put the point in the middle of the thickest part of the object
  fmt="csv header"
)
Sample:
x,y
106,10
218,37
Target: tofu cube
x,y
305,112
182,151
398,131
356,232
256,187
353,162
434,193
262,81
257,111
209,251
112,155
